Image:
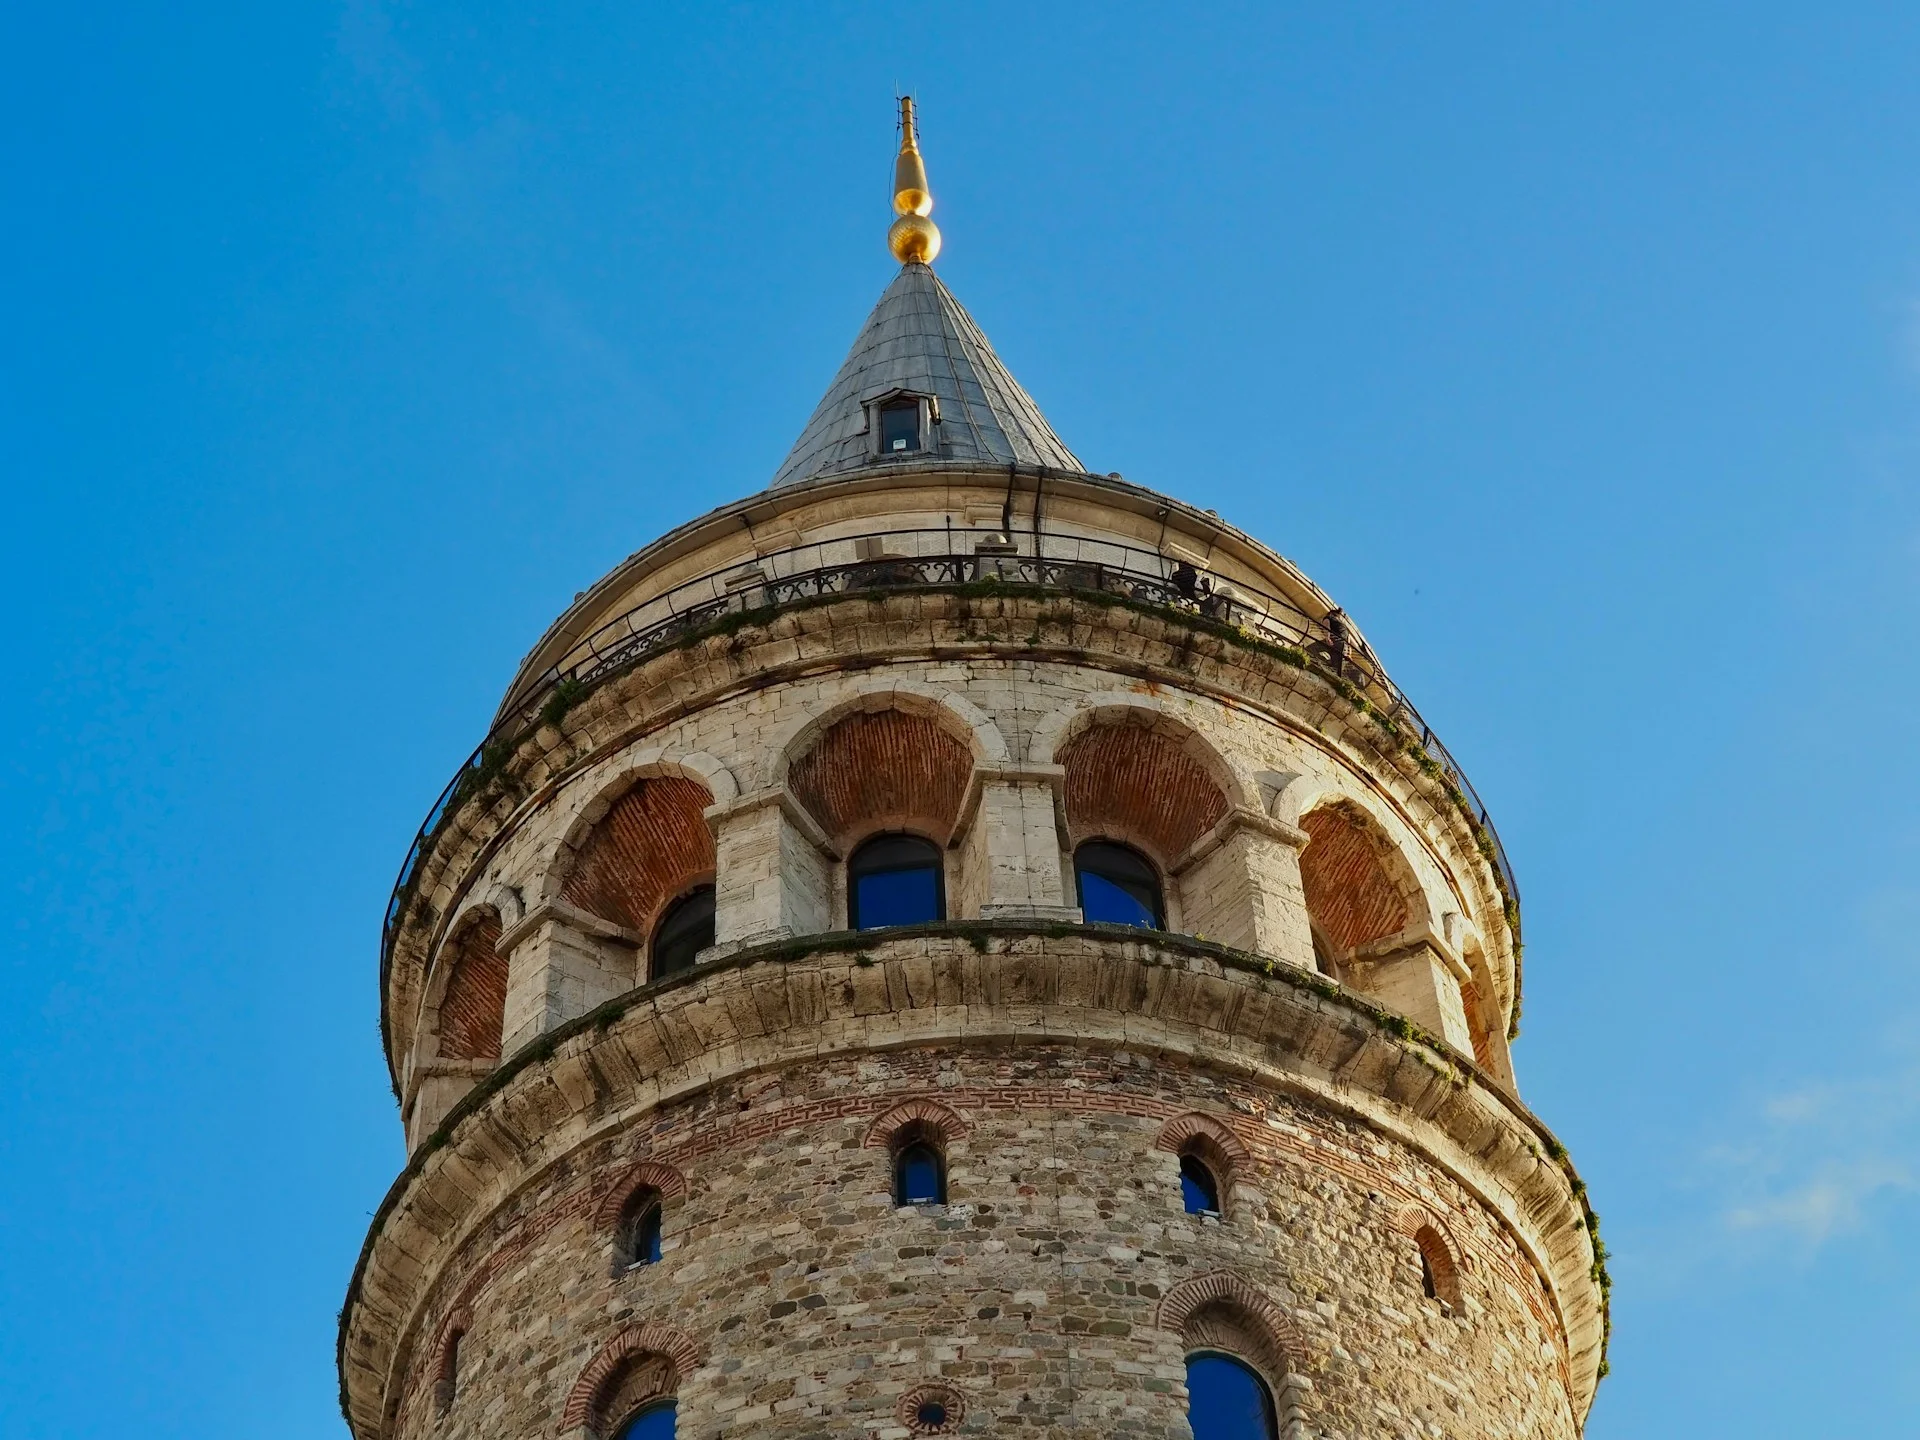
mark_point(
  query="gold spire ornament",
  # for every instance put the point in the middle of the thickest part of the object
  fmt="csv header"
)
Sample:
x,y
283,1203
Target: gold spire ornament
x,y
914,239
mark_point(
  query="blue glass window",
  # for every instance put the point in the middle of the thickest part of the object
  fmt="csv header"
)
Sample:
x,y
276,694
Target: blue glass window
x,y
1198,1188
642,1228
653,1423
895,880
919,1178
1118,886
683,932
1226,1400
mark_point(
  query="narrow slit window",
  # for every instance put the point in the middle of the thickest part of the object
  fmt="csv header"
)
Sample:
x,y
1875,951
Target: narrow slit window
x,y
1199,1190
640,1233
919,1175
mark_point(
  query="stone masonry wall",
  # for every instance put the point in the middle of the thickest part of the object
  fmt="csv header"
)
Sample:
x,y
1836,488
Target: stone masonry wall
x,y
814,1304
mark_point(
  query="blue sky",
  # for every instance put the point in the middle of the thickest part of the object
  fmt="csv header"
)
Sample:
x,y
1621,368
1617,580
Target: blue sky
x,y
1576,350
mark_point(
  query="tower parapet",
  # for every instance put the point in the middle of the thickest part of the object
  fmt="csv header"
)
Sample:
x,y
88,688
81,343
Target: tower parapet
x,y
953,942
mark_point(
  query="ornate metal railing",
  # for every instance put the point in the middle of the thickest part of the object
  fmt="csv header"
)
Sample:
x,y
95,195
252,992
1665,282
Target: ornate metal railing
x,y
927,558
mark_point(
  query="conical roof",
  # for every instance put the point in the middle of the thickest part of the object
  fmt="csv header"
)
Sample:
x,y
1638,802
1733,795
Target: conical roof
x,y
920,340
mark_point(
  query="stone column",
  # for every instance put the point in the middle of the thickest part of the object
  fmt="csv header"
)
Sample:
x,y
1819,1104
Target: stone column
x,y
1012,855
772,876
1418,974
561,962
1240,886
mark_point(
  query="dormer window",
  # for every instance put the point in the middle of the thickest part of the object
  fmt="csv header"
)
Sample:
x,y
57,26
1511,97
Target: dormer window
x,y
899,426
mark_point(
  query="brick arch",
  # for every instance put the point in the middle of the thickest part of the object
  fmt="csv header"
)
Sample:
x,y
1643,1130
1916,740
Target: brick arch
x,y
444,1362
1222,1310
949,709
886,769
1445,1259
1154,784
473,1001
925,1116
647,1175
1175,1134
1359,887
646,847
600,1383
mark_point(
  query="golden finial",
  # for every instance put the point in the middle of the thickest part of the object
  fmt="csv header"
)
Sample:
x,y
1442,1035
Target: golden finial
x,y
914,239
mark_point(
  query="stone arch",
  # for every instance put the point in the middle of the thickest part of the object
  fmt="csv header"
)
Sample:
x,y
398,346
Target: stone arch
x,y
1359,886
1060,728
469,1012
1479,1001
877,764
641,842
647,1175
920,1116
1442,1253
640,1364
966,721
1225,1311
585,802
1136,774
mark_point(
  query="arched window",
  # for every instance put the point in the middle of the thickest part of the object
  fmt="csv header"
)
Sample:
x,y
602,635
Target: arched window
x,y
1118,886
640,1228
683,932
895,880
656,1422
1226,1400
919,1173
1198,1187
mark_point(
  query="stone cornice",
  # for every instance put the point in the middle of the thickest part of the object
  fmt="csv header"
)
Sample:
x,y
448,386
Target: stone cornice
x,y
981,982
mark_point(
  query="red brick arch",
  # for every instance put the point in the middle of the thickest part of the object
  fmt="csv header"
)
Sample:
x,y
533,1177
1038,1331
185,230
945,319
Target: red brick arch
x,y
649,847
604,1371
1357,886
926,1116
473,1002
1177,1132
1444,1257
878,770
1223,1305
1140,782
647,1175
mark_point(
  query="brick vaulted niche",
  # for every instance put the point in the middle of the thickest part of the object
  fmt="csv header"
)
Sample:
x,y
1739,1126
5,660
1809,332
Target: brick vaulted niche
x,y
1015,1167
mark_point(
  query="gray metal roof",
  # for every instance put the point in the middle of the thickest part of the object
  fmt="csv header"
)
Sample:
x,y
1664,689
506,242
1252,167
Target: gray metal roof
x,y
921,340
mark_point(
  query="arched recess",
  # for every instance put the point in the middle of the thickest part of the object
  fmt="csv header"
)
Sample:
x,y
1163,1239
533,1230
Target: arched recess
x,y
649,844
875,770
473,989
1226,1313
1440,1254
640,1365
1144,779
927,1117
647,1175
1212,1141
1358,886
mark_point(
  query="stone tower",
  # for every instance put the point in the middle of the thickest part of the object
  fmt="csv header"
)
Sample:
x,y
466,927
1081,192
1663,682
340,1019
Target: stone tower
x,y
954,944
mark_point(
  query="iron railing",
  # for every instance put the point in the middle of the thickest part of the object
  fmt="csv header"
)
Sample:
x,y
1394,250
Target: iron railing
x,y
929,558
